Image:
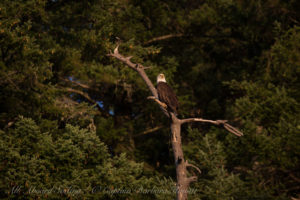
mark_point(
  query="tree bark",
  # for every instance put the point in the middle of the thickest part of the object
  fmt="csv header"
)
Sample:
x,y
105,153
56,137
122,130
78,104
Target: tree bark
x,y
181,173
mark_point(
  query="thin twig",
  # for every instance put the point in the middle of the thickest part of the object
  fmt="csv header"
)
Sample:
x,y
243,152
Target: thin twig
x,y
85,95
164,37
233,130
76,83
191,165
151,130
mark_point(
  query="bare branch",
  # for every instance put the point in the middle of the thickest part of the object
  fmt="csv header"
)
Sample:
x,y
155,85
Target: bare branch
x,y
76,83
193,166
116,51
147,67
137,67
227,126
125,60
164,37
198,120
191,179
293,198
149,131
158,101
140,69
85,95
233,130
11,81
162,105
292,189
242,169
129,57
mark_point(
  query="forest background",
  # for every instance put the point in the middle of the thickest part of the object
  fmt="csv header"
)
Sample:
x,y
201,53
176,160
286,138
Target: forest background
x,y
75,123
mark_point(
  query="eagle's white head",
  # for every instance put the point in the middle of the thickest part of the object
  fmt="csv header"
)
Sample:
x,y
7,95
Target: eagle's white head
x,y
161,78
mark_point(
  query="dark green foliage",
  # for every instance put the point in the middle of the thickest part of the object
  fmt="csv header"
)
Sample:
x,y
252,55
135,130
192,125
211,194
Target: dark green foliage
x,y
74,164
83,111
215,181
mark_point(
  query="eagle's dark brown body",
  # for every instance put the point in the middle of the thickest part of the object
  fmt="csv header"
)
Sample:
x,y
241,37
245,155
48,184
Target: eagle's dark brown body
x,y
167,96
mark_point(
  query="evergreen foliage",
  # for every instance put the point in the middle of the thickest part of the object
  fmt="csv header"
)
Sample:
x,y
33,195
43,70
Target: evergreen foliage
x,y
72,117
74,164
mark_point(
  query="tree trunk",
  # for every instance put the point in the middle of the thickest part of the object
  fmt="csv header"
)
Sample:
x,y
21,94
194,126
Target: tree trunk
x,y
181,173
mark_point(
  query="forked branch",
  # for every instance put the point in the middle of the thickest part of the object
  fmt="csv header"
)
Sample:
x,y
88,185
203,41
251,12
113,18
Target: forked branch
x,y
227,126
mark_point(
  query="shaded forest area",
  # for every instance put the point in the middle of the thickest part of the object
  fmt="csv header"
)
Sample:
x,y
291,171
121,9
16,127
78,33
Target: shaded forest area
x,y
76,124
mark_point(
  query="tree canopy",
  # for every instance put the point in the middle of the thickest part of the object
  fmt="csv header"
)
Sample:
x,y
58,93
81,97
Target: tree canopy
x,y
75,120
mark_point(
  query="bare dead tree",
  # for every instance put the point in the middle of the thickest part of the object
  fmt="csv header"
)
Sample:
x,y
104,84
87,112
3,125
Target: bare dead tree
x,y
183,181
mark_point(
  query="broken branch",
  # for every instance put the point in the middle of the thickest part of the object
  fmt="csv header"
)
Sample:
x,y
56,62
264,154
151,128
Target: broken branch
x,y
191,179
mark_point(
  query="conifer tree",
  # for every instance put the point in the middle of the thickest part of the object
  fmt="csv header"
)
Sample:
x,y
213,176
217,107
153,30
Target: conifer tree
x,y
237,60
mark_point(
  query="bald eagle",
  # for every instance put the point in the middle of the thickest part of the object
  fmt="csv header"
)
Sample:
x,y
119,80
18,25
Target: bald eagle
x,y
166,94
